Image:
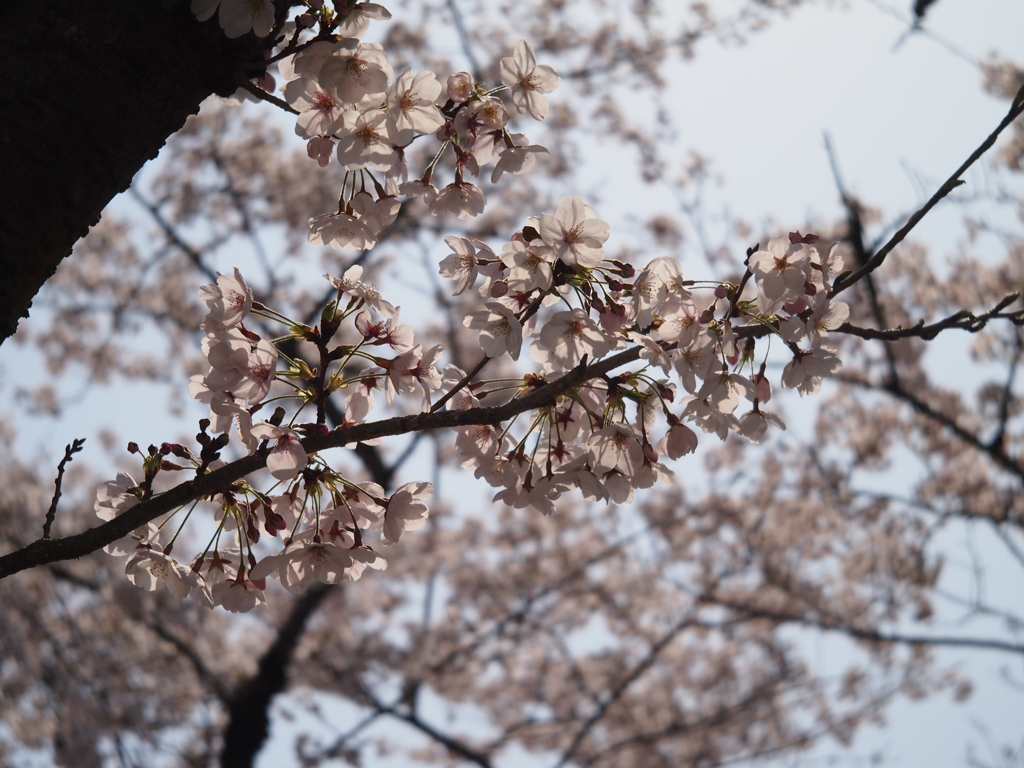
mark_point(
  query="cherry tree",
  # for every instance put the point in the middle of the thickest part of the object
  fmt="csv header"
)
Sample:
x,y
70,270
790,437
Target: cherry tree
x,y
573,381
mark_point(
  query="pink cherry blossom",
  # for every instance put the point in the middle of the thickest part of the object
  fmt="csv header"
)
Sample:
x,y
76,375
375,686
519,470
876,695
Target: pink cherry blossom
x,y
516,160
570,335
357,21
462,198
678,441
616,447
364,141
149,568
754,425
340,230
781,270
460,265
808,368
460,86
238,595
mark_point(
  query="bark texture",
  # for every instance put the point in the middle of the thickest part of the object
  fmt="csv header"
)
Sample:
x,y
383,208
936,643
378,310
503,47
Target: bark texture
x,y
90,92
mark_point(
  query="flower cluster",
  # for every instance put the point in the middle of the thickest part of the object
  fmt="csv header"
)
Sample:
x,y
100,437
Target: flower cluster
x,y
553,284
684,349
352,106
322,517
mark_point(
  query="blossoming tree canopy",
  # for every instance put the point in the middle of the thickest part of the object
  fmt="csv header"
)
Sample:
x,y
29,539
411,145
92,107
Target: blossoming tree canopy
x,y
640,337
626,364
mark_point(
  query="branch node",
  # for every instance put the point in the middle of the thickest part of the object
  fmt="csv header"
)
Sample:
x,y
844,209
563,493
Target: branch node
x,y
51,513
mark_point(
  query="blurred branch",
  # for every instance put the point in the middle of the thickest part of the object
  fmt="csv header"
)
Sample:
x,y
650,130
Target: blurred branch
x,y
172,234
616,693
453,745
860,633
249,709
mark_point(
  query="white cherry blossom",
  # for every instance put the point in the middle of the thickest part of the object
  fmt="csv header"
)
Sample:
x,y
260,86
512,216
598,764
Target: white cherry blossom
x,y
406,510
411,102
364,142
237,17
528,80
287,458
357,72
319,111
500,330
574,233
229,300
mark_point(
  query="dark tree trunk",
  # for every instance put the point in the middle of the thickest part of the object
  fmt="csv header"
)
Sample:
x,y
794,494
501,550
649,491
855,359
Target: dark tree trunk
x,y
90,91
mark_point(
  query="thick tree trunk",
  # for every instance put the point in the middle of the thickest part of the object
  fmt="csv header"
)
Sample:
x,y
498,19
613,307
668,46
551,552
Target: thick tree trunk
x,y
90,91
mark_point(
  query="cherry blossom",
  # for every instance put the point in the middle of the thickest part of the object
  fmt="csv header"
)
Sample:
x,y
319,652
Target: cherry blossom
x,y
364,142
287,458
405,510
528,267
500,330
568,336
229,300
528,80
754,425
239,595
411,102
460,265
781,270
237,17
351,284
357,21
319,111
459,86
516,160
148,568
340,230
808,368
356,72
574,233
462,198
616,447
678,441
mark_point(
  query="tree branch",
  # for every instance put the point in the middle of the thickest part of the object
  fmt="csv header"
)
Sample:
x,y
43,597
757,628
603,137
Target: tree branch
x,y
249,710
950,184
212,483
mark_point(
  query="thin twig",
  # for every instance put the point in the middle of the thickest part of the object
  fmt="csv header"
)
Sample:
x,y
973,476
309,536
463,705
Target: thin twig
x,y
950,184
51,513
963,320
262,95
